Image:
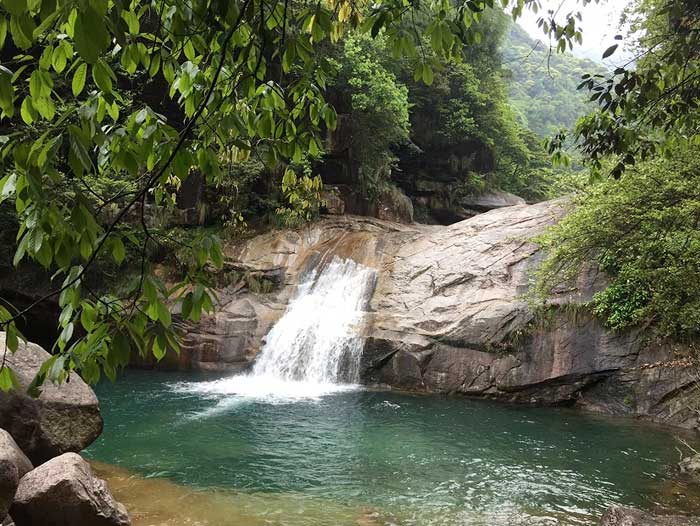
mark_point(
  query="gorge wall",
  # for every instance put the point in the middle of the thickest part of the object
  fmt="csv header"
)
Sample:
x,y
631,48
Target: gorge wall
x,y
450,315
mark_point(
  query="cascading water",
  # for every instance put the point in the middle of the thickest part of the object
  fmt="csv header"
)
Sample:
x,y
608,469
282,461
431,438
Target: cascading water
x,y
316,347
317,340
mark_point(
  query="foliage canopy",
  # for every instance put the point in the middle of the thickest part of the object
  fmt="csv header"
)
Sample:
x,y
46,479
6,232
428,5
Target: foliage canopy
x,y
642,231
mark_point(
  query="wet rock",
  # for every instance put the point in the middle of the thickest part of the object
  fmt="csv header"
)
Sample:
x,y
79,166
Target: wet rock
x,y
393,205
623,516
63,418
690,466
8,521
65,492
10,450
491,201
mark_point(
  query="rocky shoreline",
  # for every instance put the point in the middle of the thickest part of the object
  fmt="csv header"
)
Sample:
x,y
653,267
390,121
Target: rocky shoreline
x,y
43,481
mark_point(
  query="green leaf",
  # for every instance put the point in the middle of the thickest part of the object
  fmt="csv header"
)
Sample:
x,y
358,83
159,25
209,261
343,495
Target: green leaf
x,y
91,35
45,107
79,145
187,306
3,31
15,7
27,111
132,21
164,314
101,74
8,380
22,29
7,92
59,58
121,349
427,74
88,316
158,348
610,51
118,251
7,186
79,79
11,339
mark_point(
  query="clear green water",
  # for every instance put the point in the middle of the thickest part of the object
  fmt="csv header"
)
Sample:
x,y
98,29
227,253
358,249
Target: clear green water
x,y
367,457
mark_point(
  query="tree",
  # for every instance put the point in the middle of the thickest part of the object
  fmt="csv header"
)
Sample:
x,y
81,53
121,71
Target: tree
x,y
642,231
378,106
650,105
146,92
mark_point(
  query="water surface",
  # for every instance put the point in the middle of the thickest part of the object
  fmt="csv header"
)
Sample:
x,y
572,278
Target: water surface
x,y
376,458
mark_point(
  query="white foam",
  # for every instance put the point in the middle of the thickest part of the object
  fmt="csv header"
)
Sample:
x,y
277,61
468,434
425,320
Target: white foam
x,y
266,388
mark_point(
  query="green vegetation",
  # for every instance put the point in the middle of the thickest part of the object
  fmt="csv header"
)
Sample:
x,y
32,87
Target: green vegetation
x,y
543,85
377,104
650,106
642,231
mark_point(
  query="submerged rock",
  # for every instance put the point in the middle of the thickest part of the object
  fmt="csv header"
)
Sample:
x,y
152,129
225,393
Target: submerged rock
x,y
623,516
63,418
690,466
65,492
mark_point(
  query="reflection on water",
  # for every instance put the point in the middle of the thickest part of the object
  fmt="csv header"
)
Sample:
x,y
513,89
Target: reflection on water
x,y
202,456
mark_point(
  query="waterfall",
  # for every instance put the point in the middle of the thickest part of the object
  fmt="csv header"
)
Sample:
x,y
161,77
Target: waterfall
x,y
316,346
318,340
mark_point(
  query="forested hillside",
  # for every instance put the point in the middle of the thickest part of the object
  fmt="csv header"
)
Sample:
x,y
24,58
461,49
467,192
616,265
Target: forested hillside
x,y
543,85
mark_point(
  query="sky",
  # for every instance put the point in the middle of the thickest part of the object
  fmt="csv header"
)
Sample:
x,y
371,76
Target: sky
x,y
600,25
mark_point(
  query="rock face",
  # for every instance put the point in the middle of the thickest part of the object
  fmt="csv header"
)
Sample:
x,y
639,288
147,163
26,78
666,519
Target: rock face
x,y
230,339
65,492
450,314
63,418
622,516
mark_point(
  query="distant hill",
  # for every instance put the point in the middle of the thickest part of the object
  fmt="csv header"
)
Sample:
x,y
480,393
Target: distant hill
x,y
544,95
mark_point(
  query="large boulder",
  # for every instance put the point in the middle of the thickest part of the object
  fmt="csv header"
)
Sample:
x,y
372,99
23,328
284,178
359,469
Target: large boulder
x,y
63,418
13,466
65,492
623,516
451,314
9,480
10,450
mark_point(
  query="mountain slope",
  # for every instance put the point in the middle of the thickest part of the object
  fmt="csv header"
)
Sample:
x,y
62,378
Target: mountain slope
x,y
543,85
